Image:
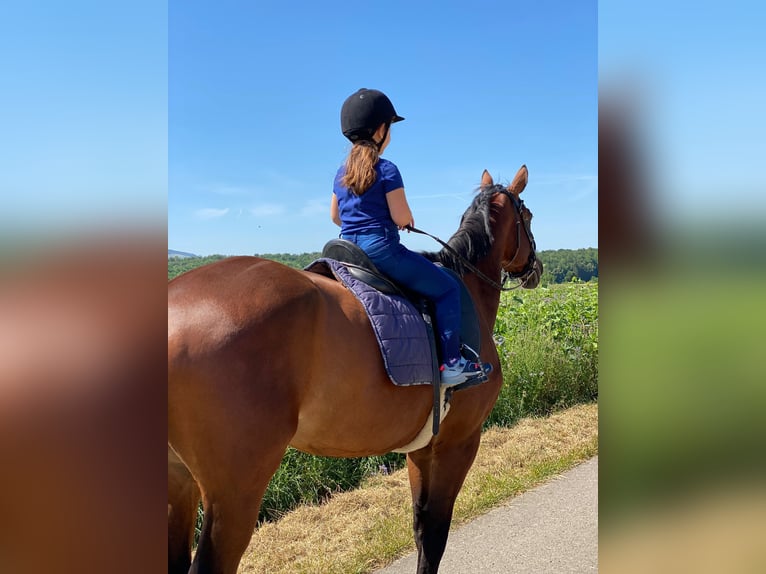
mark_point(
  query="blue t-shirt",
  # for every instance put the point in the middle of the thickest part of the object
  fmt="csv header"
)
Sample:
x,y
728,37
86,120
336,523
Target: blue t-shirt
x,y
368,211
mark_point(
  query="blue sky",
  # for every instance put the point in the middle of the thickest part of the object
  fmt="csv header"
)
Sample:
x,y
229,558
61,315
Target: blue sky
x,y
221,119
83,114
694,77
255,89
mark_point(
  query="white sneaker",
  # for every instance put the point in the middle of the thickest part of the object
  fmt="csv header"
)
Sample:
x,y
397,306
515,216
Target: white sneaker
x,y
461,372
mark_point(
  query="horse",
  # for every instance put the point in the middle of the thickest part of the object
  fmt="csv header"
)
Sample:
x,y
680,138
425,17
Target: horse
x,y
262,356
81,474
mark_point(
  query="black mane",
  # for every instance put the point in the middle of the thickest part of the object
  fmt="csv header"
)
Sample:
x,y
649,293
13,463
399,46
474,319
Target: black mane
x,y
473,239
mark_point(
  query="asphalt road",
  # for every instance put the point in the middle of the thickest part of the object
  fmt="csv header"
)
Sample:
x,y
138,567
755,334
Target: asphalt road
x,y
550,529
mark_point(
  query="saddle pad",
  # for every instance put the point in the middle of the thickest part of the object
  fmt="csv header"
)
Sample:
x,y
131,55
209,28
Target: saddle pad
x,y
398,326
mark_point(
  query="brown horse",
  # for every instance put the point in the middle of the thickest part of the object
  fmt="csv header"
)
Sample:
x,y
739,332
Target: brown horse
x,y
81,331
262,357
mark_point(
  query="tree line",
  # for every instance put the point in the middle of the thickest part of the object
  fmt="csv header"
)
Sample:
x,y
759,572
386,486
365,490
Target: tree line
x,y
563,265
560,265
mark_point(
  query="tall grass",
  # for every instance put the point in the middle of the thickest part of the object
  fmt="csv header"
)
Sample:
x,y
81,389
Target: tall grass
x,y
303,478
547,340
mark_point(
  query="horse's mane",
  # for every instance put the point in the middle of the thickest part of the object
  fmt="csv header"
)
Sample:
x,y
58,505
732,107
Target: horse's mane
x,y
473,239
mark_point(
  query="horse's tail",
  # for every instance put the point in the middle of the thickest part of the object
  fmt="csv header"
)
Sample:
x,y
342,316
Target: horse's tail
x,y
178,472
183,501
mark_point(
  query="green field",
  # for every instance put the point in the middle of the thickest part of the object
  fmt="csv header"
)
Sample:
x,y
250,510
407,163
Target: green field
x,y
547,339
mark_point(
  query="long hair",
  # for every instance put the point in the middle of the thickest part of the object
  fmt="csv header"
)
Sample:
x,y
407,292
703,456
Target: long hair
x,y
360,167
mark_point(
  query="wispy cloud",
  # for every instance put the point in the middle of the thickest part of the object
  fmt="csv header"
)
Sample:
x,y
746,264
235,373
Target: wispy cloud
x,y
263,183
563,178
267,209
460,196
575,187
314,207
278,180
230,190
586,190
211,213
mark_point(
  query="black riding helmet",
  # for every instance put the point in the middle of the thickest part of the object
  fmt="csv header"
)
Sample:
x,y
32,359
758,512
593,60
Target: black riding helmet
x,y
362,113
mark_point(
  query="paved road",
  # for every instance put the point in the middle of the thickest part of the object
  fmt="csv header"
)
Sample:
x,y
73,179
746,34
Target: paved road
x,y
551,529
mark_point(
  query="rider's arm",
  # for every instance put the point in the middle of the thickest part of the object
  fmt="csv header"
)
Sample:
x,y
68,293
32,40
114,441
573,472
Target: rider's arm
x,y
334,214
399,208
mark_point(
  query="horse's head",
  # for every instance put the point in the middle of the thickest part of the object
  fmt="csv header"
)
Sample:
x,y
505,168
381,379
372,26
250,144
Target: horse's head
x,y
519,259
495,207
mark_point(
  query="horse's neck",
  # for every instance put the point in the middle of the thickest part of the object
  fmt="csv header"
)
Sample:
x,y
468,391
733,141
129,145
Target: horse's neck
x,y
486,296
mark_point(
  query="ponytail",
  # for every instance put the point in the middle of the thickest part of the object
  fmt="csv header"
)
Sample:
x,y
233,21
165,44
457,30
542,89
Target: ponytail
x,y
360,167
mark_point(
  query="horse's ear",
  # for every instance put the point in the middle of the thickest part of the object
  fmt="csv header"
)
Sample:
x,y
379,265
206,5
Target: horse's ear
x,y
486,179
520,181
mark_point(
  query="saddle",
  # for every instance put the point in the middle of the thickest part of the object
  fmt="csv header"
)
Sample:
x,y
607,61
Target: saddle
x,y
346,262
360,265
362,268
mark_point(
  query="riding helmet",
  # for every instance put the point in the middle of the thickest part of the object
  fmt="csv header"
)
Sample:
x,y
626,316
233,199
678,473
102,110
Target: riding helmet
x,y
362,113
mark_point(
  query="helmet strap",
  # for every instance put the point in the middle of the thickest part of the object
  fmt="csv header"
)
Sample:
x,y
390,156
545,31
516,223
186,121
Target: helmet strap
x,y
385,135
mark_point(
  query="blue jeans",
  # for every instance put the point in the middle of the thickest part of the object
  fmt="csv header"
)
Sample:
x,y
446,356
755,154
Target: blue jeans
x,y
420,275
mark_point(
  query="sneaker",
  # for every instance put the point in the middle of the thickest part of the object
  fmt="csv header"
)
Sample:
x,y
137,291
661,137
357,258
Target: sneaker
x,y
461,372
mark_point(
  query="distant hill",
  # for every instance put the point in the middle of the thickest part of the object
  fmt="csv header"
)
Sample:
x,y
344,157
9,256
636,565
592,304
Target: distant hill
x,y
561,265
182,254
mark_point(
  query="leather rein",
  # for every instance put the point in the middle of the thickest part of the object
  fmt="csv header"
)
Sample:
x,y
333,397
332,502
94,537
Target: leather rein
x,y
523,276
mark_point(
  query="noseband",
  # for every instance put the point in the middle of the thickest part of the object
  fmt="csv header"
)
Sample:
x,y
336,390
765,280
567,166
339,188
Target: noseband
x,y
524,275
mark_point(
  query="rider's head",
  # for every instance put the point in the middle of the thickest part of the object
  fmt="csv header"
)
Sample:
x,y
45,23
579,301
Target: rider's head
x,y
364,112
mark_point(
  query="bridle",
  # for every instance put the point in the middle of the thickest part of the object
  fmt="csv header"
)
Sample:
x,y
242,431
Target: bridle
x,y
524,275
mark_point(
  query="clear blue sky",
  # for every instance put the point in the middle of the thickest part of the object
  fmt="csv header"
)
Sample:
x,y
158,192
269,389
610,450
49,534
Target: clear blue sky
x,y
83,114
255,90
189,111
694,73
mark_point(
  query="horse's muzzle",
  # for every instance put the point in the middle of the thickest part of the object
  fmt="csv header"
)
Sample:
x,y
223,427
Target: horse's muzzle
x,y
531,278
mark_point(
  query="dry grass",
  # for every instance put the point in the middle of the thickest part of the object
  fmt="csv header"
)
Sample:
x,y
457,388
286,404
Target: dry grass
x,y
360,531
706,530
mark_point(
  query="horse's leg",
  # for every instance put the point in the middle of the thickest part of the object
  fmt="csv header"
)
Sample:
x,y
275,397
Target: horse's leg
x,y
436,476
232,446
183,499
231,511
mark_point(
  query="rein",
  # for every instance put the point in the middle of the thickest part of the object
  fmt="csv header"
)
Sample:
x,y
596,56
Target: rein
x,y
465,261
523,277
